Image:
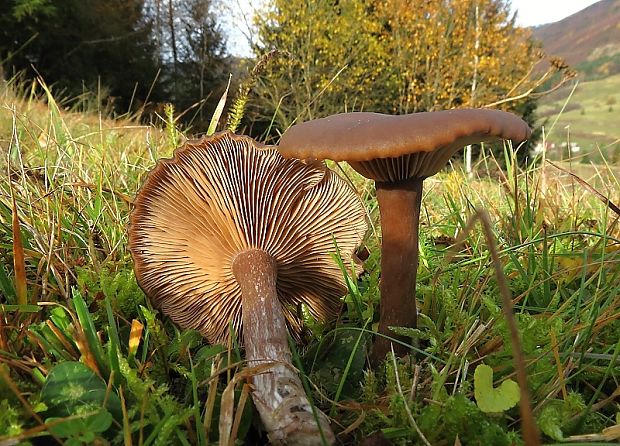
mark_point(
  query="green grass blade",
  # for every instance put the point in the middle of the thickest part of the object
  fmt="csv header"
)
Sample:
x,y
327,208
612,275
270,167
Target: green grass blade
x,y
88,326
114,348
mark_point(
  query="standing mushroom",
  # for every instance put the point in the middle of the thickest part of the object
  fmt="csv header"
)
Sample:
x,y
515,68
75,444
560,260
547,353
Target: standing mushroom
x,y
227,232
398,153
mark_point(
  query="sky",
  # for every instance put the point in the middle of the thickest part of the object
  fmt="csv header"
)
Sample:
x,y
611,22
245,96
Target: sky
x,y
538,12
529,13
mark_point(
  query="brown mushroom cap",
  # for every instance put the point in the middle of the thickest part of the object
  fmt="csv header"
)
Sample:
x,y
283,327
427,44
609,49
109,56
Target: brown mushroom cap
x,y
408,146
223,195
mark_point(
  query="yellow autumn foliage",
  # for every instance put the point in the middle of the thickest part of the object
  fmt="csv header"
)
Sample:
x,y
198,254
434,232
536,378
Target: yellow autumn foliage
x,y
390,56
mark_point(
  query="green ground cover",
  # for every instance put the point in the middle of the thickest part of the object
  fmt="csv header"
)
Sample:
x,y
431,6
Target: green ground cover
x,y
85,359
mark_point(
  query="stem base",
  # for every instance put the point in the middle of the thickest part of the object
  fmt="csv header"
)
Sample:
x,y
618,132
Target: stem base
x,y
278,392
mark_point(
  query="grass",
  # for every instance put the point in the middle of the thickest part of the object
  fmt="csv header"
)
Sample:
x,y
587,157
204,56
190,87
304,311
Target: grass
x,y
85,359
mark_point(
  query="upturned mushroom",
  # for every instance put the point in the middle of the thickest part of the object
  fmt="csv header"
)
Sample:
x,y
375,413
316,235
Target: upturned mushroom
x,y
229,232
398,153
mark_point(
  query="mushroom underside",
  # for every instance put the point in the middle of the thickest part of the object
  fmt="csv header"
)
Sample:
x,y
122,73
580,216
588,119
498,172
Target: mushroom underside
x,y
228,233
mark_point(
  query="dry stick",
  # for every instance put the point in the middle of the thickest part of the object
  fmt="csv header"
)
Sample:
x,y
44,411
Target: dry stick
x,y
530,431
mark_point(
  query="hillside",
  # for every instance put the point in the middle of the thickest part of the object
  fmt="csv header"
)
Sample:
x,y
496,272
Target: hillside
x,y
588,40
590,117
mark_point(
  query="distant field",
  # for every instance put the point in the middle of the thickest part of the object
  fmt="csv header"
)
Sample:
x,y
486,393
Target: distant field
x,y
591,116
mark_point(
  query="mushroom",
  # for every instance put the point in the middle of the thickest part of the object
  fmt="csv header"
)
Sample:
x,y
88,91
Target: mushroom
x,y
228,232
398,153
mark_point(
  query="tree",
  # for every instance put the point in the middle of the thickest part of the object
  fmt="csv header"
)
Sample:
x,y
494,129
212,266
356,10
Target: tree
x,y
80,45
129,50
203,66
335,58
391,56
192,46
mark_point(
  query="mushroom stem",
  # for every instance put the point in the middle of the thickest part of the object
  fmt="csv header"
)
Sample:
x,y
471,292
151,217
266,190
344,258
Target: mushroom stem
x,y
278,392
399,206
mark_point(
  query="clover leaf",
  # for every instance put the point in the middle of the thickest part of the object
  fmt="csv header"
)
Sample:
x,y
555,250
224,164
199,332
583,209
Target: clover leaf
x,y
490,399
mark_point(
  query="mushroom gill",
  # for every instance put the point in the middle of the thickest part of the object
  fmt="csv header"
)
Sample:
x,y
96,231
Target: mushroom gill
x,y
227,225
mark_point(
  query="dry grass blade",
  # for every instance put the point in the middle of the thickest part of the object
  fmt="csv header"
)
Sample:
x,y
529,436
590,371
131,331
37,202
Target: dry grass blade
x,y
87,355
3,341
212,393
124,197
609,434
558,362
126,428
226,412
19,261
414,384
530,431
228,401
353,426
585,184
218,110
606,401
134,336
62,338
245,392
402,395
